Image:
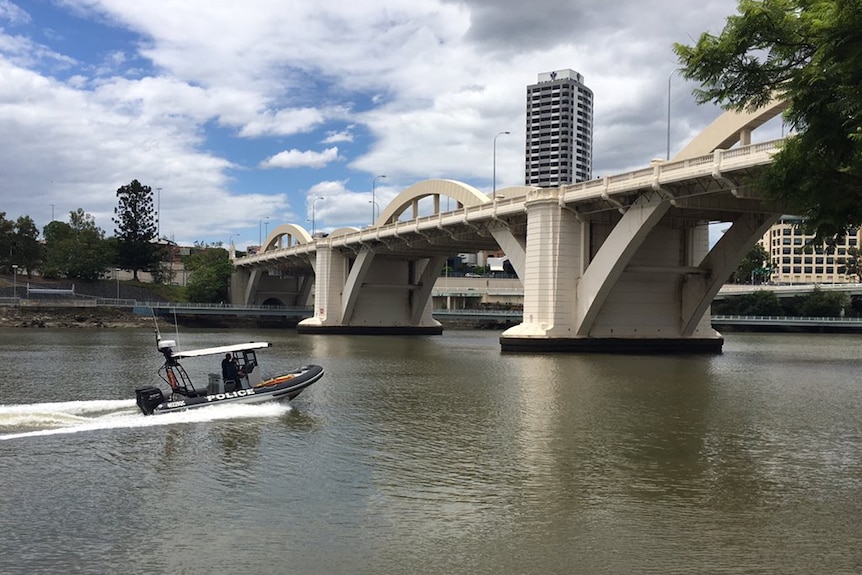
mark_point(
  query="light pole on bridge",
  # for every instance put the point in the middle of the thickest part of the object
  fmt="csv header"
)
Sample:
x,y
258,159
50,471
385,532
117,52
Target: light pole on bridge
x,y
669,76
259,234
494,169
313,230
373,189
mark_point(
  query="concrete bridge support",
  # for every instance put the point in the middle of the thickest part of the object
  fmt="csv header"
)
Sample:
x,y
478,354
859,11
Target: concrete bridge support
x,y
636,282
366,293
257,287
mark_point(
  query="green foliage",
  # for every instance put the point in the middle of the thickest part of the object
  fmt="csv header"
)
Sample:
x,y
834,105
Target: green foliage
x,y
76,250
19,244
755,265
824,304
765,302
852,266
136,229
761,302
162,272
210,270
27,250
807,52
168,292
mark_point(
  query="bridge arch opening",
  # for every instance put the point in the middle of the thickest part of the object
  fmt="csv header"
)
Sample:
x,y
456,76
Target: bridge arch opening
x,y
425,198
285,236
273,301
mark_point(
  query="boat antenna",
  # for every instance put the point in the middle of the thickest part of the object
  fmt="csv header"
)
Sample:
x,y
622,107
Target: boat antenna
x,y
156,323
177,329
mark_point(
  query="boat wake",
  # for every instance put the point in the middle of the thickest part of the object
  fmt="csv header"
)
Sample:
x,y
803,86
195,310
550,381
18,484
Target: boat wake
x,y
44,419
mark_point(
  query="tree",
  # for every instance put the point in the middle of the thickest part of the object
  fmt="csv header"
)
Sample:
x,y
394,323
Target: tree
x,y
824,304
136,229
805,52
210,270
19,244
7,243
76,250
852,264
28,251
755,264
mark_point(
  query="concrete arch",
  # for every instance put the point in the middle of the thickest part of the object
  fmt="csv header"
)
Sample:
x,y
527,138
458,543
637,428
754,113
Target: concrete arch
x,y
730,128
463,193
342,231
295,235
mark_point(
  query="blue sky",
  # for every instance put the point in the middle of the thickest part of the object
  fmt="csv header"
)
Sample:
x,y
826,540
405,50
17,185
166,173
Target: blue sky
x,y
243,112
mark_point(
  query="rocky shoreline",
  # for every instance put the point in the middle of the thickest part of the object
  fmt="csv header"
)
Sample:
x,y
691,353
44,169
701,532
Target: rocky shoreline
x,y
76,317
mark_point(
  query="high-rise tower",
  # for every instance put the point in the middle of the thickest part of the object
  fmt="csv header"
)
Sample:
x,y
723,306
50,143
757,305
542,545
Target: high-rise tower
x,y
559,147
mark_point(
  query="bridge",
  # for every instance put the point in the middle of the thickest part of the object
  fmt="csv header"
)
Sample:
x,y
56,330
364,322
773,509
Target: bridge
x,y
619,263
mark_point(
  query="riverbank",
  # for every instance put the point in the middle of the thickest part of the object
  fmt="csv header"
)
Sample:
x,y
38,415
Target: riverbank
x,y
107,317
76,317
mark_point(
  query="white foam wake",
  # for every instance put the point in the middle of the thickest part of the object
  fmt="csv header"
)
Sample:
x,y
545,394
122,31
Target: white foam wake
x,y
81,416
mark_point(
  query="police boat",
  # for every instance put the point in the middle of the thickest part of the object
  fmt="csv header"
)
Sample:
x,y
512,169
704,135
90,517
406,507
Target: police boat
x,y
248,384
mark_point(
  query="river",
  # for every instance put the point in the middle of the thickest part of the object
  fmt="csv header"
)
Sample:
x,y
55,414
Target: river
x,y
434,455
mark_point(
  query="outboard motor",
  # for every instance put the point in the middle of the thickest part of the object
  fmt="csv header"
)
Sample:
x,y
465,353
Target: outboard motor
x,y
148,398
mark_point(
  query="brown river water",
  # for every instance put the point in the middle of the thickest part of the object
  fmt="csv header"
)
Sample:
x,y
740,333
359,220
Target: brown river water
x,y
434,455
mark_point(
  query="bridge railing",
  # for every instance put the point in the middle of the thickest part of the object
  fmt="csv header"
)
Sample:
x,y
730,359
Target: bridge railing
x,y
217,306
784,319
664,172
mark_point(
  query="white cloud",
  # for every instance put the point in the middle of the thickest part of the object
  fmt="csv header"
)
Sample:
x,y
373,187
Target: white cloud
x,y
300,159
334,137
337,205
202,95
282,122
12,13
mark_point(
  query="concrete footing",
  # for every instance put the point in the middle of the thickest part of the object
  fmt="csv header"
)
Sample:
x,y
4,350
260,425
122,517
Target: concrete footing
x,y
668,346
369,330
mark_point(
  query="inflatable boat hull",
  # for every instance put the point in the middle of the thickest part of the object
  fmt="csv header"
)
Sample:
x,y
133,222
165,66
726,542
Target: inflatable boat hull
x,y
282,387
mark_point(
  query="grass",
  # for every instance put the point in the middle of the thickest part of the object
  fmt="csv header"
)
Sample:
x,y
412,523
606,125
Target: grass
x,y
168,292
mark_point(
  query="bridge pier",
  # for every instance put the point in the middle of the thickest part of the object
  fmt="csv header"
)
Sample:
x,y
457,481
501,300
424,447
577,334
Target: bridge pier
x,y
373,294
613,283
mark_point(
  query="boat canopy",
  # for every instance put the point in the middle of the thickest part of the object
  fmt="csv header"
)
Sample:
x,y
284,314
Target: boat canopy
x,y
221,349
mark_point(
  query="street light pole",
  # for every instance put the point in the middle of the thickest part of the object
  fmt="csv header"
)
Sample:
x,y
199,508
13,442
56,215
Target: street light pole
x,y
494,177
15,284
373,189
259,234
669,76
312,214
118,282
374,208
158,211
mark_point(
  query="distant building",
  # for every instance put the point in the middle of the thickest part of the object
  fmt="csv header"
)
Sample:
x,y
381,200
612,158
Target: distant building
x,y
795,260
559,144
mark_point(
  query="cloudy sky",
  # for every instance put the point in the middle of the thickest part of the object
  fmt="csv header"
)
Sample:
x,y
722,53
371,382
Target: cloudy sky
x,y
242,111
